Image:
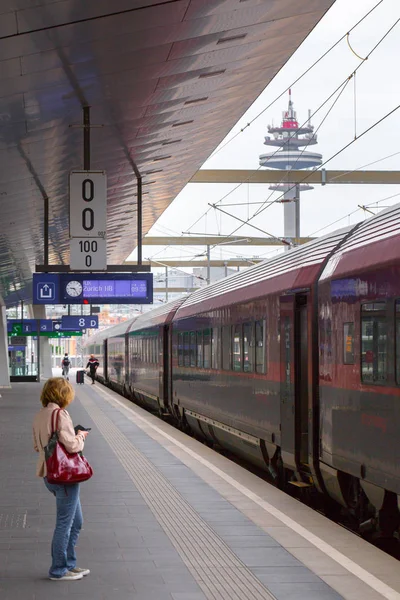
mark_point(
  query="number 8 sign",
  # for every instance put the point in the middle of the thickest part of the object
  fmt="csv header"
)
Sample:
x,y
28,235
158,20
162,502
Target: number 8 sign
x,y
87,204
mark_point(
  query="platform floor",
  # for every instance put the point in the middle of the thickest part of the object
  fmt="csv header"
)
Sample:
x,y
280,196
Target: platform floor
x,y
168,518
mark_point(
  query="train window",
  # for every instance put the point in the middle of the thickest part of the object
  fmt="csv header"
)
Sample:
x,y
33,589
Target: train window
x,y
348,343
186,349
260,347
373,349
248,347
192,348
374,306
226,348
215,347
207,348
180,349
237,344
199,344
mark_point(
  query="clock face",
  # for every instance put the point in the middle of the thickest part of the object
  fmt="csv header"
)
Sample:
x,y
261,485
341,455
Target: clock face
x,y
74,289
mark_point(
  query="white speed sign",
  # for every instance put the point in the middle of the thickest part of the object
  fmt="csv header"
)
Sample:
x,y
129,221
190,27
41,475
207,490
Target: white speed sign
x,y
88,204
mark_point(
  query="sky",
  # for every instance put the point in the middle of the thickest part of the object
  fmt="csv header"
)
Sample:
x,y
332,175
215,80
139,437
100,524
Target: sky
x,y
327,208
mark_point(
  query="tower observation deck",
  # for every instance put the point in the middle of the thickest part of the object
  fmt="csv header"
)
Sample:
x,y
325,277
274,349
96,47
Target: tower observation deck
x,y
289,138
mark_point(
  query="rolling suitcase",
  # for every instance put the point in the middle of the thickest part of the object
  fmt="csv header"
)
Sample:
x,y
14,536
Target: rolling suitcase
x,y
80,377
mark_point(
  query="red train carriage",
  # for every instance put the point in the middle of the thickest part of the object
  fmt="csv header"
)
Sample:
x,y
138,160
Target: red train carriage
x,y
243,350
148,356
359,344
293,364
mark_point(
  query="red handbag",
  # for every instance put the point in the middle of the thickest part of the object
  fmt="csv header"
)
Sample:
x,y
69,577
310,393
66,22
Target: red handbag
x,y
64,467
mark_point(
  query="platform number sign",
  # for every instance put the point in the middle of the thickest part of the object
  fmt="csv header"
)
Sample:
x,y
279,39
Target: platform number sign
x,y
88,220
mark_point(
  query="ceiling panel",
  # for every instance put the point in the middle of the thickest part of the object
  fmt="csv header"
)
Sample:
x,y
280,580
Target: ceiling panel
x,y
166,82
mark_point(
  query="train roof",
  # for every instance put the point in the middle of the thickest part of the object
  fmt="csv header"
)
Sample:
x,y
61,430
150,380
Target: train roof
x,y
158,316
296,269
114,331
374,243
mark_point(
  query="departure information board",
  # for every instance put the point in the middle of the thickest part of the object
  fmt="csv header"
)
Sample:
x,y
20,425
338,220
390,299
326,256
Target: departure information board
x,y
81,288
94,288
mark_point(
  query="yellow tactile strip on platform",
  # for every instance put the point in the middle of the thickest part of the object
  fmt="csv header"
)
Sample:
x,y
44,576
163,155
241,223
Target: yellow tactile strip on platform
x,y
215,567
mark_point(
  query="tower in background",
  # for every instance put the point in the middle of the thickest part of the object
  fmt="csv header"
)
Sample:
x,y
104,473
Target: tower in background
x,y
289,138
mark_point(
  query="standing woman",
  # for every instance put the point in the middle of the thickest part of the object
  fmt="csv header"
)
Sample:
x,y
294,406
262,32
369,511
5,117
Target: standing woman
x,y
58,393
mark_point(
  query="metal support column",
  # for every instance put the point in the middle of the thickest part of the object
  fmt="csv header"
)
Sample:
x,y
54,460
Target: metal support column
x,y
86,138
208,266
297,222
46,231
38,350
4,362
166,284
139,219
139,213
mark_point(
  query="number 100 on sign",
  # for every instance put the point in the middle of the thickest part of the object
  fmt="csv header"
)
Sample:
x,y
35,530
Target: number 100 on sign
x,y
88,254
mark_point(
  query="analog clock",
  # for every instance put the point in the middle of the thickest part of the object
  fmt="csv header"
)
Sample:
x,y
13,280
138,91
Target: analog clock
x,y
74,289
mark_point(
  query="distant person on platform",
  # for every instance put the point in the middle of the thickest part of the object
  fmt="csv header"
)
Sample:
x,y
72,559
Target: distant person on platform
x,y
92,365
65,365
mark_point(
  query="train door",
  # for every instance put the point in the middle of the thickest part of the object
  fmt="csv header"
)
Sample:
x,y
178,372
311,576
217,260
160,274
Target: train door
x,y
164,372
294,380
105,357
126,362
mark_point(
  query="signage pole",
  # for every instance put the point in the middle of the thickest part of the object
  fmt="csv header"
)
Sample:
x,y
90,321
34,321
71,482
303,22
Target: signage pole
x,y
139,213
139,219
38,349
86,138
46,231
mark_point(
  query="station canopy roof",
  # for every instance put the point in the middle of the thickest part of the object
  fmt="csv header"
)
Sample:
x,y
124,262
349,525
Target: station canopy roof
x,y
166,80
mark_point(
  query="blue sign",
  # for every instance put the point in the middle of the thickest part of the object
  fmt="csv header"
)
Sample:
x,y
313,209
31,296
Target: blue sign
x,y
102,288
27,325
45,288
77,323
46,325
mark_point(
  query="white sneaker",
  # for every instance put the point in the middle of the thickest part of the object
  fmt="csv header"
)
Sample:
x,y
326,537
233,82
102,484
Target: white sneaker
x,y
83,572
69,576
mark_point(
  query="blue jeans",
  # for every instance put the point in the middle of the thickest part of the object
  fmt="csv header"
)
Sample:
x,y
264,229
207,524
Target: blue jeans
x,y
68,525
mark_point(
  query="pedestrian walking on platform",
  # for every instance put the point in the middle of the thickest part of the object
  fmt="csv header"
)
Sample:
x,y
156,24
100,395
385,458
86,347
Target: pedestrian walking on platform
x,y
65,365
92,365
58,393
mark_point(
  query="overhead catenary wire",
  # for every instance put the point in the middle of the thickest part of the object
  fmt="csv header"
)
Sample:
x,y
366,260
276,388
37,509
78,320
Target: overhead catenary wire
x,y
266,204
248,180
344,36
341,88
343,83
259,211
280,96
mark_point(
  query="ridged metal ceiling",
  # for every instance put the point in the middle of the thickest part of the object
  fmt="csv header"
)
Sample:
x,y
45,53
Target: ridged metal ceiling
x,y
166,80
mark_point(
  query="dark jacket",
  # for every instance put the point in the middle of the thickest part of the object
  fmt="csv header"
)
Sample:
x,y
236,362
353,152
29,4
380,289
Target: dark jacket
x,y
92,364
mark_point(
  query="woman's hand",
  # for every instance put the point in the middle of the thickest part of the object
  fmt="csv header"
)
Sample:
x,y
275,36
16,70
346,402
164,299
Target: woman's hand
x,y
84,433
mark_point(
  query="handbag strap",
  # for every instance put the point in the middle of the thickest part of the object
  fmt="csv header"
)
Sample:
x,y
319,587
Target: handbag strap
x,y
54,429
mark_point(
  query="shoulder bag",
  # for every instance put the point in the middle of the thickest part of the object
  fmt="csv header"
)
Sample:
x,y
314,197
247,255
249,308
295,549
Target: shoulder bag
x,y
62,466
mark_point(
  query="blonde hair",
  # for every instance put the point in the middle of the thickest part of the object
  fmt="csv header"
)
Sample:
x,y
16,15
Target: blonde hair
x,y
57,390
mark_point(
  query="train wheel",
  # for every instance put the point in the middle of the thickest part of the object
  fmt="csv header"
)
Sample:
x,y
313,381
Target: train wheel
x,y
360,511
389,516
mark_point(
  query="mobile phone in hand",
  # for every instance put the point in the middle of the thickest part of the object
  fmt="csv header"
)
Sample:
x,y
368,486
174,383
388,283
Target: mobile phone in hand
x,y
81,428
